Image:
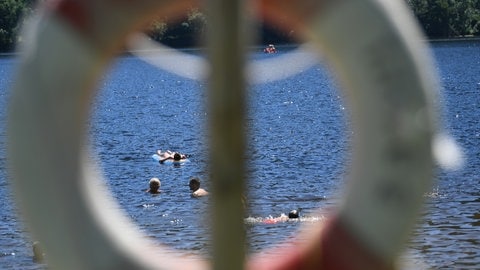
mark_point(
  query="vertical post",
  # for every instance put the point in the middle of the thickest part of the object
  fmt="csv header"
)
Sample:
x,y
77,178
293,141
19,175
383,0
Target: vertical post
x,y
226,44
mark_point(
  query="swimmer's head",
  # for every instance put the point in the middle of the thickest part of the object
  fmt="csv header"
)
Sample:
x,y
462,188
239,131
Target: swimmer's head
x,y
194,184
177,156
154,184
293,214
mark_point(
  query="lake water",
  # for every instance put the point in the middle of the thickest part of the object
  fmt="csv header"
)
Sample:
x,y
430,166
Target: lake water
x,y
141,109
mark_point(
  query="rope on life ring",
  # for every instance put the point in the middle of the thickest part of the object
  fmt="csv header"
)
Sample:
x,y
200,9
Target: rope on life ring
x,y
372,44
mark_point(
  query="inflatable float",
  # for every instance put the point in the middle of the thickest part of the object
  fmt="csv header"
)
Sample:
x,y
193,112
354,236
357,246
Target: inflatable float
x,y
159,158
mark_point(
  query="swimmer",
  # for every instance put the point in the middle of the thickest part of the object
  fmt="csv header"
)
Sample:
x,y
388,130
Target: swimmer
x,y
270,49
175,156
293,216
195,188
154,186
293,213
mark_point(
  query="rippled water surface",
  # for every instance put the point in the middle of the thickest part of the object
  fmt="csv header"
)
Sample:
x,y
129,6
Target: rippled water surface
x,y
297,156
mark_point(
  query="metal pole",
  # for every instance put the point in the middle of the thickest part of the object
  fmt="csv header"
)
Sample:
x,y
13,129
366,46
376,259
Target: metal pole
x,y
226,43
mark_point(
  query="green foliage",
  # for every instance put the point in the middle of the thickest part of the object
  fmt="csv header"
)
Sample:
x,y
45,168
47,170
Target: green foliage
x,y
439,19
447,18
179,34
157,30
11,14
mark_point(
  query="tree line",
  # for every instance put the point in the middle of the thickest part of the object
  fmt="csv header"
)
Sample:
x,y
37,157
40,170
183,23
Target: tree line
x,y
447,18
438,18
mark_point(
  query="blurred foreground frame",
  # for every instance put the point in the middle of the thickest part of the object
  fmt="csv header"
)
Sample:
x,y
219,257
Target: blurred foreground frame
x,y
389,89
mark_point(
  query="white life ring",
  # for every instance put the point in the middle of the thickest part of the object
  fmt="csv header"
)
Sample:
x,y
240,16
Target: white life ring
x,y
373,45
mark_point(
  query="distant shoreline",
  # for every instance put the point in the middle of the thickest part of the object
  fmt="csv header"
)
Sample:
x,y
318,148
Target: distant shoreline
x,y
434,40
475,38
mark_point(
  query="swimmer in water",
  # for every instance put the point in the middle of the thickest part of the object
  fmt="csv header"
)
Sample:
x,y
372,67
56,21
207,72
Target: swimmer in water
x,y
175,156
154,186
293,214
194,185
270,49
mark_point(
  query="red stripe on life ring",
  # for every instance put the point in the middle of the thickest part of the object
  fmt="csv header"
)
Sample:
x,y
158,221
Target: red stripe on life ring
x,y
340,250
75,12
334,249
